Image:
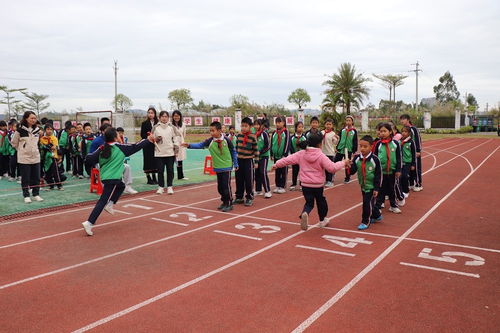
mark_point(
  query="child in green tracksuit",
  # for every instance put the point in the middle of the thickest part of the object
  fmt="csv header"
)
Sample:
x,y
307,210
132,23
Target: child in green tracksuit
x,y
110,157
262,185
368,167
409,153
280,147
348,141
224,159
389,153
295,141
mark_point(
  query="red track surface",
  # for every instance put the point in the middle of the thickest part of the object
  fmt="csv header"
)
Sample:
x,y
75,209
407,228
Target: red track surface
x,y
141,272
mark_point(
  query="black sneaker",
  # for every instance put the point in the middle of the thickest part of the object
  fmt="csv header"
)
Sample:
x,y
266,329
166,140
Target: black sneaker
x,y
248,202
221,206
238,201
228,208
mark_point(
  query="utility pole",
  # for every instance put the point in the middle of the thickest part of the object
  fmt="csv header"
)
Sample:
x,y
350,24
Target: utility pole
x,y
115,67
486,107
416,70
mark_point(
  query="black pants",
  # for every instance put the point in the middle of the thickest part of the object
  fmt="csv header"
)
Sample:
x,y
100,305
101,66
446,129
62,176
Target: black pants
x,y
4,164
30,178
416,175
180,172
66,154
315,193
405,178
244,178
77,162
387,188
13,166
339,157
329,176
224,187
167,162
370,209
53,176
261,177
112,190
295,174
280,176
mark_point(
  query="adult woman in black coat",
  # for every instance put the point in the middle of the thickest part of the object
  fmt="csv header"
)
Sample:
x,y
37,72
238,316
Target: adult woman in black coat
x,y
148,152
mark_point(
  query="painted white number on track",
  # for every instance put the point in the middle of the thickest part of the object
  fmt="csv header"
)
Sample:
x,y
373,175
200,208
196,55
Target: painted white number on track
x,y
191,216
269,229
137,206
346,242
448,257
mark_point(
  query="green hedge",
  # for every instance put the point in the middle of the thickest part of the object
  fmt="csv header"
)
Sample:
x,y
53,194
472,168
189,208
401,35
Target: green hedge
x,y
462,130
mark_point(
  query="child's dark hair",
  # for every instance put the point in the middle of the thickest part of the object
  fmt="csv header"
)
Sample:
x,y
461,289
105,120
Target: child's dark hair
x,y
103,119
217,125
386,126
44,120
405,116
104,127
164,113
314,119
280,119
177,123
313,140
120,129
406,129
329,120
368,139
297,125
379,125
47,125
247,120
230,127
3,123
87,125
71,126
67,124
110,135
12,122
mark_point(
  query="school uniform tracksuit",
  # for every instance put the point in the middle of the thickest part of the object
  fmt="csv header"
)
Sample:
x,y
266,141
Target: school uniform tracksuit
x,y
264,147
75,141
349,140
330,141
416,175
248,157
86,144
224,159
409,160
49,159
389,154
280,147
294,147
369,177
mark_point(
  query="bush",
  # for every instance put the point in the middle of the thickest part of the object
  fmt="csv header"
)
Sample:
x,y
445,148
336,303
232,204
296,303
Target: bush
x,y
462,130
465,129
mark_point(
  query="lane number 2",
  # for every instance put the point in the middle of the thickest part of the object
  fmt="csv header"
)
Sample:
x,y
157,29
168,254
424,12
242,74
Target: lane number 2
x,y
191,216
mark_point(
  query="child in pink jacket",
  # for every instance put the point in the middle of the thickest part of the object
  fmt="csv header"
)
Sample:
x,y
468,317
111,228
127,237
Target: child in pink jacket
x,y
313,164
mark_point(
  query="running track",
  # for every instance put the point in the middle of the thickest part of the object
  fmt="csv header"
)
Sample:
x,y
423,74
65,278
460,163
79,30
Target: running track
x,y
176,264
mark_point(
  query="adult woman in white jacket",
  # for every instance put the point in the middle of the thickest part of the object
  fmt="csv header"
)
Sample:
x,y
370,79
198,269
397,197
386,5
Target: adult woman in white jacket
x,y
167,143
25,141
178,123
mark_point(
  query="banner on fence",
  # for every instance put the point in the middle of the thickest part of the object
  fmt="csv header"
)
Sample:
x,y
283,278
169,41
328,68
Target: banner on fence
x,y
187,121
57,125
237,121
289,121
228,121
300,116
215,119
274,120
198,121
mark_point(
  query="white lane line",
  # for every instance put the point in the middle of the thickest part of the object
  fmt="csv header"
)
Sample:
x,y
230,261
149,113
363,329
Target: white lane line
x,y
313,317
325,250
441,269
122,212
237,235
171,222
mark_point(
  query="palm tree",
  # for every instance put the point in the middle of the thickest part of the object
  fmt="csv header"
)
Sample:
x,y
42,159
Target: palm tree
x,y
346,88
392,81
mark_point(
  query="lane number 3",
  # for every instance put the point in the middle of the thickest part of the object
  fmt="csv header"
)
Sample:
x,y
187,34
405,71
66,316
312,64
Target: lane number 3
x,y
266,229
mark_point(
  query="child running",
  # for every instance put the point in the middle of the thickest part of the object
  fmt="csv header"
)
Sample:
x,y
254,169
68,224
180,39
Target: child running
x,y
313,164
295,141
330,141
280,147
248,159
110,157
389,153
367,165
348,142
262,185
224,159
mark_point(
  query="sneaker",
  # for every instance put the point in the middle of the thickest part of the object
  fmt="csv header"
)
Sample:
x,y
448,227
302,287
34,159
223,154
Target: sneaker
x,y
304,219
5,175
238,201
80,177
382,205
324,223
276,190
346,181
248,202
61,188
329,184
292,188
130,190
11,179
221,206
227,208
406,195
378,219
160,190
109,208
362,226
267,195
401,203
395,210
259,193
19,182
87,226
37,198
281,190
170,190
185,178
417,188
411,187
27,200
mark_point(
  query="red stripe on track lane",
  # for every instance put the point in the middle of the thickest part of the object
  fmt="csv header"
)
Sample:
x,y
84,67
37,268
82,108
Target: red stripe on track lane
x,y
270,293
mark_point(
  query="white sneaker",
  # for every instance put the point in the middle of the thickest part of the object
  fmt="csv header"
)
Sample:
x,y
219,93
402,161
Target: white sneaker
x,y
292,188
417,188
6,175
185,178
329,184
281,190
19,182
304,219
406,195
38,198
160,190
382,205
401,203
276,190
11,179
170,190
130,190
109,208
27,200
87,226
411,187
324,223
395,210
267,195
259,193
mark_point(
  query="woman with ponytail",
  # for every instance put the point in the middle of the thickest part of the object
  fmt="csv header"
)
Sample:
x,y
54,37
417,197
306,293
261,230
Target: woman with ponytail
x,y
110,157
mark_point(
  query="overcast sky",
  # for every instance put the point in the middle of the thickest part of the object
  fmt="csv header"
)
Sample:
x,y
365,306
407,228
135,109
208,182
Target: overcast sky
x,y
262,49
